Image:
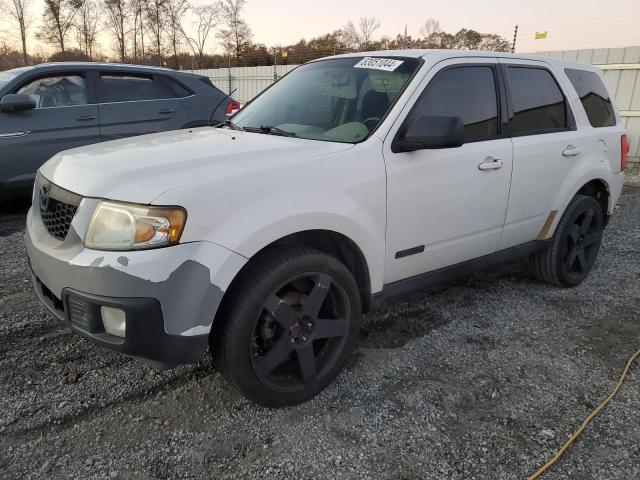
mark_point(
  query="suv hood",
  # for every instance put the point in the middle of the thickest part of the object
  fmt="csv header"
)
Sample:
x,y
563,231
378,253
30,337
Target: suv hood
x,y
140,169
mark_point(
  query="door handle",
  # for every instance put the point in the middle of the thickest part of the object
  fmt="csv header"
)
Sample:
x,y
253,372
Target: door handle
x,y
571,151
491,163
166,111
87,118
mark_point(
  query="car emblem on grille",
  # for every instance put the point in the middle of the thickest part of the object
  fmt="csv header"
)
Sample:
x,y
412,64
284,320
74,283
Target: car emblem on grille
x,y
44,198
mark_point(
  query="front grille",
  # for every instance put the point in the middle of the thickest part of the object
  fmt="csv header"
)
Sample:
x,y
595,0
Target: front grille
x,y
57,218
57,207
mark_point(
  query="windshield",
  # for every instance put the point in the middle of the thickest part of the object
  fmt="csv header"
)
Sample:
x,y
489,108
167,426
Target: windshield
x,y
8,75
340,100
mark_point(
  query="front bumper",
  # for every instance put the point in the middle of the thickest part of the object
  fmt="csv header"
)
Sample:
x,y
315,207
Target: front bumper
x,y
145,336
169,295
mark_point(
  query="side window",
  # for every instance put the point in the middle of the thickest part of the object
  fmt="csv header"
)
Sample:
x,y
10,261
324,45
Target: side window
x,y
594,97
538,103
57,91
169,88
116,88
466,92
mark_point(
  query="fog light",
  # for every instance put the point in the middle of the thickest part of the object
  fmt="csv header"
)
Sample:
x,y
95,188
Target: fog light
x,y
114,321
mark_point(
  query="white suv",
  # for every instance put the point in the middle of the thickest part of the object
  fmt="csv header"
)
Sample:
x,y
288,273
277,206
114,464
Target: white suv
x,y
351,180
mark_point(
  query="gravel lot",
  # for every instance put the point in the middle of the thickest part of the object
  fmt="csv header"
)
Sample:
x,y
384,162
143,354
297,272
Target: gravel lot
x,y
482,379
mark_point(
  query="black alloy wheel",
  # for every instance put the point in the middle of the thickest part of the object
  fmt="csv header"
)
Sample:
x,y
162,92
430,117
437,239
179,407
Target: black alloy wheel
x,y
574,247
300,332
290,326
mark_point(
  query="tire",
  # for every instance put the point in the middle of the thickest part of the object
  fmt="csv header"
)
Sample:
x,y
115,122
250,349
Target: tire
x,y
289,326
574,246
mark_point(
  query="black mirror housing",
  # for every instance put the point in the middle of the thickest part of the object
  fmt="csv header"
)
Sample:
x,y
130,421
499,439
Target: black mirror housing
x,y
13,103
432,132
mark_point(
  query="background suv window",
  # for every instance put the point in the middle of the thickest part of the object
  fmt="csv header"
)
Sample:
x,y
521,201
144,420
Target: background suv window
x,y
168,88
466,92
538,104
126,88
57,91
594,97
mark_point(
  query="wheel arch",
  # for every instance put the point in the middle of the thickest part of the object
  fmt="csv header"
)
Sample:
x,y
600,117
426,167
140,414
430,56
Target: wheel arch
x,y
598,189
330,242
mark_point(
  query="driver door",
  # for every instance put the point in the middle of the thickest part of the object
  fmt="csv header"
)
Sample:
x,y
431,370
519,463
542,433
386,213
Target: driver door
x,y
446,206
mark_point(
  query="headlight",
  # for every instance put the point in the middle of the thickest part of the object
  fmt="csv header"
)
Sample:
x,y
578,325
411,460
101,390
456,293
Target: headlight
x,y
121,226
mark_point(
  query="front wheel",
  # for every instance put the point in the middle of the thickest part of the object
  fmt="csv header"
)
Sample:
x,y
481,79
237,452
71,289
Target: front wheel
x,y
575,245
289,326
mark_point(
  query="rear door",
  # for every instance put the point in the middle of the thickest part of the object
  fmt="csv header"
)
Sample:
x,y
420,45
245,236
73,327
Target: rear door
x,y
66,116
546,147
140,103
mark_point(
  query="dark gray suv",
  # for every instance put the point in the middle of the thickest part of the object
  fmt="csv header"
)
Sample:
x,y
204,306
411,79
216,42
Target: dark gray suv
x,y
53,107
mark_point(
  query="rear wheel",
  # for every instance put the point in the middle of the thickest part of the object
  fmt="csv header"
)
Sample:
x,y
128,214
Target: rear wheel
x,y
289,326
575,245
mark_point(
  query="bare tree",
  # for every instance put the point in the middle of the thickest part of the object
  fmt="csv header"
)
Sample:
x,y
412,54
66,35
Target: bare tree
x,y
362,35
17,10
368,26
175,11
156,20
86,26
207,18
235,36
430,27
350,36
117,23
137,12
57,20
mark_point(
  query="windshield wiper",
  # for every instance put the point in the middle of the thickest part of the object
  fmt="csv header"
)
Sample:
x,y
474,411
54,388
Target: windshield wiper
x,y
269,130
230,124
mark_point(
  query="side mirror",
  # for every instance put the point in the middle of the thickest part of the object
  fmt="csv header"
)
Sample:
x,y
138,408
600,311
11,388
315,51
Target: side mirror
x,y
17,103
432,132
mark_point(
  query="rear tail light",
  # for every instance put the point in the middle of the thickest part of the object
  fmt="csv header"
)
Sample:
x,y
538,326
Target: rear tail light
x,y
232,107
624,151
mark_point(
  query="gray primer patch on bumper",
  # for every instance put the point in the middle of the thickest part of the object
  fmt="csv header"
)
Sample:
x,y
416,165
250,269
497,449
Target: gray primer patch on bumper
x,y
188,298
186,292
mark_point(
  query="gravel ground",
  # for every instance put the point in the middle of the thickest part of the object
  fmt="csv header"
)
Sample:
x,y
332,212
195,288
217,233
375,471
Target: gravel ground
x,y
482,379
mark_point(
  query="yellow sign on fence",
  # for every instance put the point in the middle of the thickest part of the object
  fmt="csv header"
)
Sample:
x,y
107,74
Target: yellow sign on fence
x,y
541,35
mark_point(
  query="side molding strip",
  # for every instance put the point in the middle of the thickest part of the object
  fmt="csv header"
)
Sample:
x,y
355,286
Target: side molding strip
x,y
409,252
14,134
438,277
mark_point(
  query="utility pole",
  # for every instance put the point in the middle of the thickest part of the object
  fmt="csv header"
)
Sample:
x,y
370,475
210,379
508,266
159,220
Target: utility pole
x,y
515,37
229,74
275,65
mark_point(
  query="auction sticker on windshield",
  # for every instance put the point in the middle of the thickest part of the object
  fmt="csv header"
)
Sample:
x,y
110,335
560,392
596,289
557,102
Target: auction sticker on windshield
x,y
386,64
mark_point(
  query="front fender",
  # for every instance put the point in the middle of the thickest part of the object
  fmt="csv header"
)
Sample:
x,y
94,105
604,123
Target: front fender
x,y
343,193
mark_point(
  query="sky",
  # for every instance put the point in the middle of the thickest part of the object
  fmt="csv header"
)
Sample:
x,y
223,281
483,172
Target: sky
x,y
571,24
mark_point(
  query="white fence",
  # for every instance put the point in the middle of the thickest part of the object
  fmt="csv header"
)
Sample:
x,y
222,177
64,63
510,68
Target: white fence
x,y
621,67
249,81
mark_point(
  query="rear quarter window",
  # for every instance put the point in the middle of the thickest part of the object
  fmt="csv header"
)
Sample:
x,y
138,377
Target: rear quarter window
x,y
594,97
169,88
